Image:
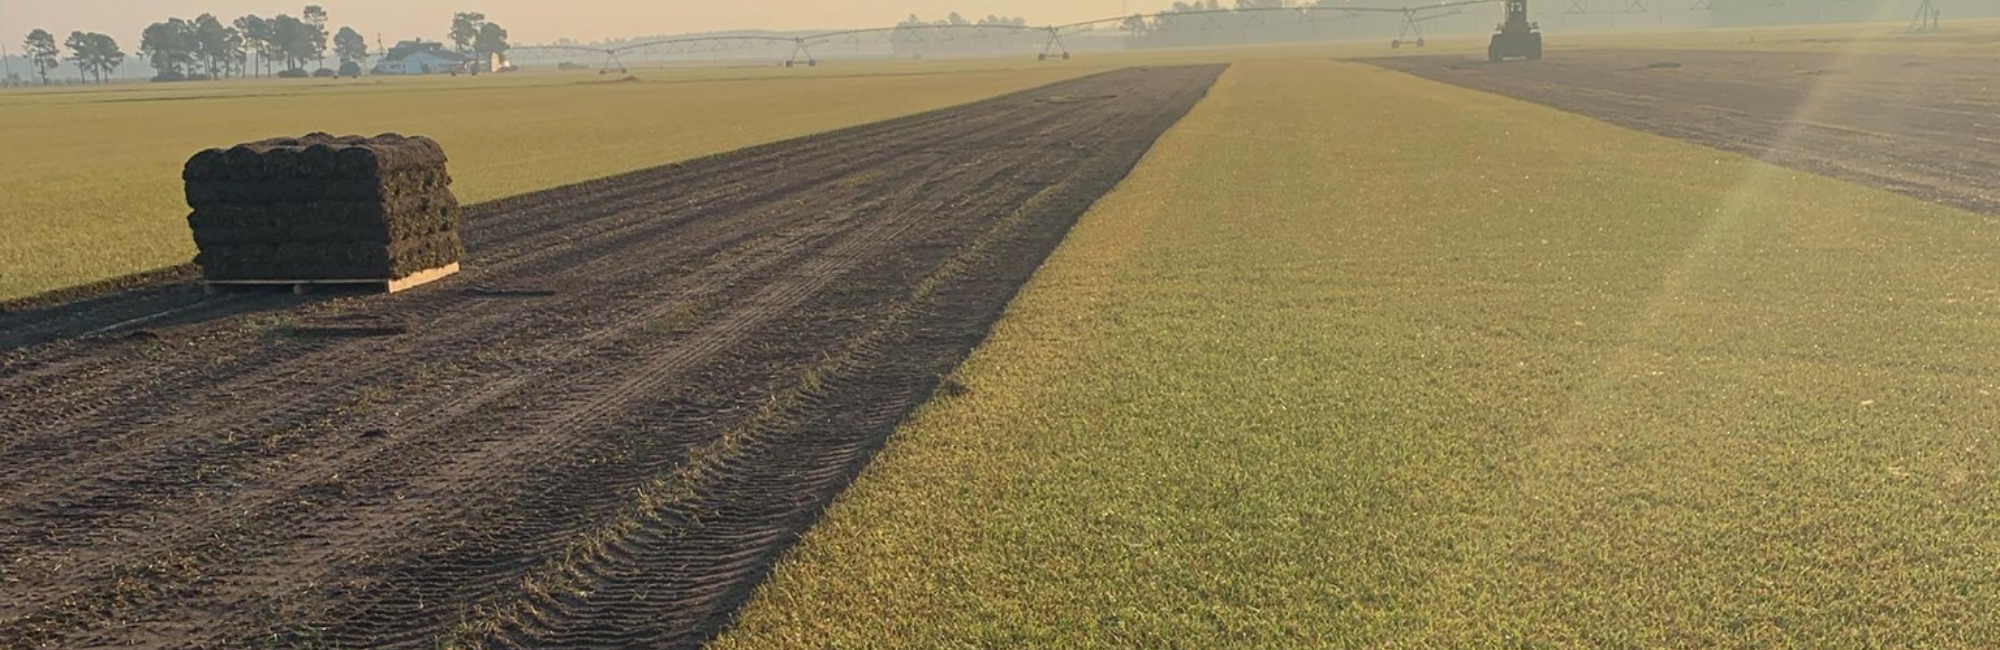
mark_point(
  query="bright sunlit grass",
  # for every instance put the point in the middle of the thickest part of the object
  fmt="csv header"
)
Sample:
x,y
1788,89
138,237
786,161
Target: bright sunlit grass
x,y
1358,360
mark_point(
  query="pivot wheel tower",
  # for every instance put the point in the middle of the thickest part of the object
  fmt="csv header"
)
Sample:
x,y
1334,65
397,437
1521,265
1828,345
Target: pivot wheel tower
x,y
1927,19
1516,38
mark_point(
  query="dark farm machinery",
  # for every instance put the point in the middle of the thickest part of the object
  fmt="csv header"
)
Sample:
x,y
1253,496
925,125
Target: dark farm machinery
x,y
1516,38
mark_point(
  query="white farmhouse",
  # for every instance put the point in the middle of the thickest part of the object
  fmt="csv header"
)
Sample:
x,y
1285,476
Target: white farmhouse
x,y
420,57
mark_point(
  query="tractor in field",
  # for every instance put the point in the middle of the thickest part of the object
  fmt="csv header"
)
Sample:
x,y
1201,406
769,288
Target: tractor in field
x,y
1517,38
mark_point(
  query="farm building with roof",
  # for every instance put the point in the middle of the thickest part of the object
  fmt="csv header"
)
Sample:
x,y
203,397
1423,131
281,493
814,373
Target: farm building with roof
x,y
420,57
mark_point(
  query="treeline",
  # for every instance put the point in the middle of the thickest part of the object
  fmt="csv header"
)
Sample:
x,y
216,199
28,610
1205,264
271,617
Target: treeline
x,y
954,19
95,55
918,37
472,34
206,48
1207,10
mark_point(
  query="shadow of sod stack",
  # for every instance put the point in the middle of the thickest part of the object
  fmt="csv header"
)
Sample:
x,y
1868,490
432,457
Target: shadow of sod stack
x,y
323,208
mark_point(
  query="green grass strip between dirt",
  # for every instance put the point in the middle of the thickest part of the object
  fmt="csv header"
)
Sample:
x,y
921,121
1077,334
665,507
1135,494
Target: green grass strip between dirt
x,y
1357,360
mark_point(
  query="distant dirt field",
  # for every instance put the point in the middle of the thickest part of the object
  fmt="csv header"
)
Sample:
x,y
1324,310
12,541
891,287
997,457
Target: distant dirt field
x,y
1924,126
600,435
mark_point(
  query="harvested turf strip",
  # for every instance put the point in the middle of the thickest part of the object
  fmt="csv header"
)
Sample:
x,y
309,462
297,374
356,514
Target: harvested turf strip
x,y
317,157
330,260
376,222
394,185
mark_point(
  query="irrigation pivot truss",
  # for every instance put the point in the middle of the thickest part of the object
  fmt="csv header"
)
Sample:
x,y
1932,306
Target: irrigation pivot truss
x,y
614,58
1050,37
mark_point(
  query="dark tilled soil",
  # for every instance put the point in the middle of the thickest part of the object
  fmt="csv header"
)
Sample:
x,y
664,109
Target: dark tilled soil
x,y
1924,126
602,434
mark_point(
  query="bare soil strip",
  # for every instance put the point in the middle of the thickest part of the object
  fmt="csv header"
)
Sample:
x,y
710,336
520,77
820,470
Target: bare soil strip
x,y
1925,126
601,434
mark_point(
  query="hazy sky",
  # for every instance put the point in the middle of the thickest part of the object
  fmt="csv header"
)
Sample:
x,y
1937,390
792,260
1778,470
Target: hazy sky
x,y
540,20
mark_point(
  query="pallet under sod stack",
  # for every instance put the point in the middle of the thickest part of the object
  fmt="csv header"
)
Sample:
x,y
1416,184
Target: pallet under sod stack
x,y
324,210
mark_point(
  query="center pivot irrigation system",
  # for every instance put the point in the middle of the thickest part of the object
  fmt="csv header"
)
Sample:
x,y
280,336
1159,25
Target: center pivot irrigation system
x,y
1052,47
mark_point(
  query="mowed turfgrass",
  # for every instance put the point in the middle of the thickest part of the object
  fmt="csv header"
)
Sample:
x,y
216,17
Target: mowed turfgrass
x,y
94,189
1359,360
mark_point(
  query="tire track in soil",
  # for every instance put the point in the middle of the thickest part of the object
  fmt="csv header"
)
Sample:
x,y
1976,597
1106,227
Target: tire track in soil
x,y
238,486
620,209
105,434
514,228
1920,126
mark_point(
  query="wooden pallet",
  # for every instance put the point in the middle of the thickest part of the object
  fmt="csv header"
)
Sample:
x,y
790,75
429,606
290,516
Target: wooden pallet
x,y
303,286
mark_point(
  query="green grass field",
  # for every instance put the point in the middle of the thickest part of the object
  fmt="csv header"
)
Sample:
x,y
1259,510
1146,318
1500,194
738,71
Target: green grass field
x,y
1352,360
1358,360
93,189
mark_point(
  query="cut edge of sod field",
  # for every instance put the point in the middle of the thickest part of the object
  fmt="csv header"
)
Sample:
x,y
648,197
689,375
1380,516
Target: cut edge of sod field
x,y
1359,360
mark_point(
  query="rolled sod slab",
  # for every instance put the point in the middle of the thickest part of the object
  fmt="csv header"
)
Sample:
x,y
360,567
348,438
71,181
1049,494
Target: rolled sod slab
x,y
317,156
322,207
202,194
372,221
330,260
378,233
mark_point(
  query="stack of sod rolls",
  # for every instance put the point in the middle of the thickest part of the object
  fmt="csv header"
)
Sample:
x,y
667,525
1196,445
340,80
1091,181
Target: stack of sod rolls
x,y
323,208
